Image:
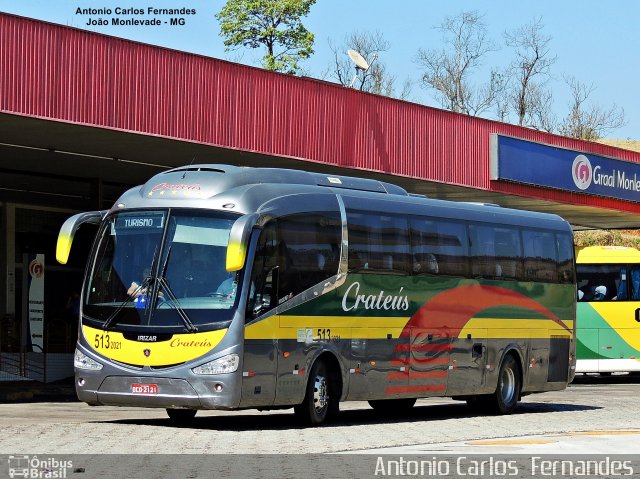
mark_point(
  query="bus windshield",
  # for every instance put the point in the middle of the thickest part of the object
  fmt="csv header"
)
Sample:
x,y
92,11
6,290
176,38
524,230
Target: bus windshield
x,y
161,269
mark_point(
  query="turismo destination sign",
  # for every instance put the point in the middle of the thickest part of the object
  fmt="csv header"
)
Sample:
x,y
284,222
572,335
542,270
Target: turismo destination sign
x,y
522,161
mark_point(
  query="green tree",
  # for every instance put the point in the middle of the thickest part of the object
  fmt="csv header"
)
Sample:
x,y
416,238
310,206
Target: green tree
x,y
274,24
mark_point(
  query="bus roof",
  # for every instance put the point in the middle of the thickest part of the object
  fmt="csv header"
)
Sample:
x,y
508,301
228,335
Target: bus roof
x,y
607,254
245,190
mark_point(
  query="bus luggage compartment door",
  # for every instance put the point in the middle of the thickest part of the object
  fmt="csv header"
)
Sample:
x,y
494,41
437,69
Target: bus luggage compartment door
x,y
429,362
468,360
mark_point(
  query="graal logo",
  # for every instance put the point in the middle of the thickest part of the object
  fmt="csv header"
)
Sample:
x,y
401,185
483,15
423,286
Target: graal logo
x,y
582,172
31,467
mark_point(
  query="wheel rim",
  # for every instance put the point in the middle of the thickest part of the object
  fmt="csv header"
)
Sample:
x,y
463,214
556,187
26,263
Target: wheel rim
x,y
508,385
320,393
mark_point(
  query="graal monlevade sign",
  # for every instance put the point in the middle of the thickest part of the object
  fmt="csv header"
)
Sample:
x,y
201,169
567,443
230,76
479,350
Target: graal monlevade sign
x,y
521,161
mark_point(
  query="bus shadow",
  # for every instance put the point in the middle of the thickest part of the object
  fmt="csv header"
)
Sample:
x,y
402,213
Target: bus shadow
x,y
286,420
595,379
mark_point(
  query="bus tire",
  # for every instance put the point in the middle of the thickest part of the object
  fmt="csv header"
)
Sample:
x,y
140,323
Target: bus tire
x,y
505,399
321,400
392,406
181,415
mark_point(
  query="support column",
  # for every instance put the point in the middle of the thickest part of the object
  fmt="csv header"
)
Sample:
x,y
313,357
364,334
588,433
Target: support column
x,y
8,259
97,193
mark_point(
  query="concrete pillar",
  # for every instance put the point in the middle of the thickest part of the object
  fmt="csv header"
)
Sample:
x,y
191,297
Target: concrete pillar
x,y
97,193
8,259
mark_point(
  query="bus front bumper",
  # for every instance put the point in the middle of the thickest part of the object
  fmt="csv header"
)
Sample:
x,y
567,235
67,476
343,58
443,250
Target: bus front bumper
x,y
156,392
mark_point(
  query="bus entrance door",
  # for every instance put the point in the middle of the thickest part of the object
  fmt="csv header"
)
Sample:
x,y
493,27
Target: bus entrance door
x,y
259,372
429,361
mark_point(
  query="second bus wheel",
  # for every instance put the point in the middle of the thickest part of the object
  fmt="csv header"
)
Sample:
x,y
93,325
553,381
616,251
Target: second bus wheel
x,y
321,400
505,399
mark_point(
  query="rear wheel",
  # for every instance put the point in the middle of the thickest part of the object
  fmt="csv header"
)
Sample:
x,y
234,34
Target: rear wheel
x,y
181,415
392,406
321,401
505,399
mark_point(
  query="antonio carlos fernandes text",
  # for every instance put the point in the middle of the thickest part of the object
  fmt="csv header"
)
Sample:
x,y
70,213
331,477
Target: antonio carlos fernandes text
x,y
491,467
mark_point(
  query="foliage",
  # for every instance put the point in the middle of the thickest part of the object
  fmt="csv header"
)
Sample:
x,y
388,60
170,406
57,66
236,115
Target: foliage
x,y
273,24
448,71
518,92
528,74
589,122
607,238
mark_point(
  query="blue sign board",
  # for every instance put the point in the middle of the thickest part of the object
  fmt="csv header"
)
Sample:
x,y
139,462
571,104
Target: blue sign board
x,y
522,161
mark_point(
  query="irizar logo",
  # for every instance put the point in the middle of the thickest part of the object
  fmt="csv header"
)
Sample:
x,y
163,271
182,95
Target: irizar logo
x,y
582,172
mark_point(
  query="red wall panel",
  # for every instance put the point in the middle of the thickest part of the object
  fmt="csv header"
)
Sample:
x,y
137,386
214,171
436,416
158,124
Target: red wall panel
x,y
57,72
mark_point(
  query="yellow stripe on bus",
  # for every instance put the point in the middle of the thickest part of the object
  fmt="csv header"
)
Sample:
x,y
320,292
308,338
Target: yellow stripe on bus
x,y
518,328
325,327
347,327
179,349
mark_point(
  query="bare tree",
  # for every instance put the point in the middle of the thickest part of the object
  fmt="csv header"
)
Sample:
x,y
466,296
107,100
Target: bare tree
x,y
377,79
529,73
589,122
448,71
540,109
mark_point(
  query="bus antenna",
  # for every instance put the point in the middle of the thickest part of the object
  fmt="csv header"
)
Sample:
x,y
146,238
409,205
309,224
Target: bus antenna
x,y
186,170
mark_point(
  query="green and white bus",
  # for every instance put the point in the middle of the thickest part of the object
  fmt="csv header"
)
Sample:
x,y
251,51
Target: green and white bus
x,y
608,326
219,287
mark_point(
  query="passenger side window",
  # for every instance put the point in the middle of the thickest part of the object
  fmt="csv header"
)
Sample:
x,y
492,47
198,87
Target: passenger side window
x,y
605,282
293,254
483,254
540,259
378,243
508,252
634,273
438,247
566,268
311,248
264,274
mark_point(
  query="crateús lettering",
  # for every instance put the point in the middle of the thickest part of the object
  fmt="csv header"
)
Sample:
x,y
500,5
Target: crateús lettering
x,y
352,300
180,343
175,187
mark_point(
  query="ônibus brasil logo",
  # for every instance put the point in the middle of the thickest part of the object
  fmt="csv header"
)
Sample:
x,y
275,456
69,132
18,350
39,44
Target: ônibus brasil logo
x,y
582,172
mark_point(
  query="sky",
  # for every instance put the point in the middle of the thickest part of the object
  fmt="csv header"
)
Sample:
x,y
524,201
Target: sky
x,y
596,42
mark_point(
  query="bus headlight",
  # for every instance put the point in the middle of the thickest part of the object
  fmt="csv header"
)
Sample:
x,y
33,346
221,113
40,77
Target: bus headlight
x,y
225,364
82,361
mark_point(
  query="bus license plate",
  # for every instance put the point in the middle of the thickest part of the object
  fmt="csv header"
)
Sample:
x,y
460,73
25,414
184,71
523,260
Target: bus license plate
x,y
144,388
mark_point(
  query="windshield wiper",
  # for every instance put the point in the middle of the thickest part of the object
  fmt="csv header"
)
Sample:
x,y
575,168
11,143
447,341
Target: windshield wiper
x,y
148,281
163,283
173,300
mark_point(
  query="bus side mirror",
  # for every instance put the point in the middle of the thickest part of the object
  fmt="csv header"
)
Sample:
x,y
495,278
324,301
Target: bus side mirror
x,y
68,231
238,242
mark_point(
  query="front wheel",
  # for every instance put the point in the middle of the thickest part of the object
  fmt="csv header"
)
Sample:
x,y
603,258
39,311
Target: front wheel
x,y
321,400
